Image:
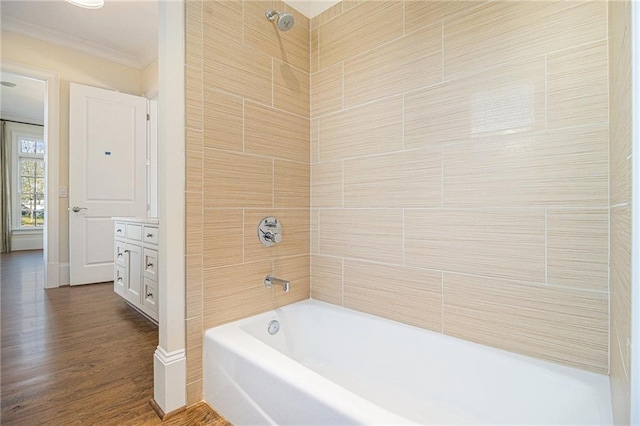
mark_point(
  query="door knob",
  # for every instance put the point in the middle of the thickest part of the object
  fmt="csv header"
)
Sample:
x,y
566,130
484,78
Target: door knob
x,y
76,209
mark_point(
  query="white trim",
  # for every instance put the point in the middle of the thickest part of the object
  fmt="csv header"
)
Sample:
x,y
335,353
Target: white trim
x,y
52,125
170,378
634,375
19,26
26,120
169,374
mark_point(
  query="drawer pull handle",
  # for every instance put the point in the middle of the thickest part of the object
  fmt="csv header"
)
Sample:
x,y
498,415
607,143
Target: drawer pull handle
x,y
119,254
149,235
149,294
149,265
127,251
118,230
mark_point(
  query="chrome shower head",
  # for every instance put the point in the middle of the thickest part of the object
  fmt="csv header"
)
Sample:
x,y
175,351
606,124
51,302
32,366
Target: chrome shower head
x,y
285,21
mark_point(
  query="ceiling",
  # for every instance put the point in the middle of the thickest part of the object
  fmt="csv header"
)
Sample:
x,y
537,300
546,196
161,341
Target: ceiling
x,y
123,31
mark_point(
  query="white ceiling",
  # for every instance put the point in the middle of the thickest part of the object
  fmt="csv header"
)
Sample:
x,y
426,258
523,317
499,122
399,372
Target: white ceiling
x,y
311,8
123,31
25,102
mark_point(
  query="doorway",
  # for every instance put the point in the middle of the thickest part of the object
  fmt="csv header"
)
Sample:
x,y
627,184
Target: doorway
x,y
41,206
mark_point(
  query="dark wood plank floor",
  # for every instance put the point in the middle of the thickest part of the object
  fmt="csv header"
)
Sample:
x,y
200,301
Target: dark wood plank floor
x,y
75,355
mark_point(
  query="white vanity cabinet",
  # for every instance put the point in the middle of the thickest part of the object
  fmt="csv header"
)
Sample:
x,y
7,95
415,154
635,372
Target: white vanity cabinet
x,y
135,274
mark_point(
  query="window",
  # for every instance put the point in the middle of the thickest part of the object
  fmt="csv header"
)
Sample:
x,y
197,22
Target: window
x,y
29,181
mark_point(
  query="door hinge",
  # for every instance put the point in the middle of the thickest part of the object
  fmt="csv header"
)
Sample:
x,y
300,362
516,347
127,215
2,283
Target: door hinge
x,y
148,117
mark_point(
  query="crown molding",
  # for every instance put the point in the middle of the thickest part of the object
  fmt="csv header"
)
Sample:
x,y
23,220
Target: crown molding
x,y
20,26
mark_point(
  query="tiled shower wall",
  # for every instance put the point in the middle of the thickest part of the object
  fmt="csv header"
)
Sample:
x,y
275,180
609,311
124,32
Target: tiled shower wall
x,y
460,163
247,158
620,166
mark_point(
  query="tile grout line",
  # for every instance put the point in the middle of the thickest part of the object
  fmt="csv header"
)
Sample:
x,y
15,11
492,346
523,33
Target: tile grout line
x,y
546,258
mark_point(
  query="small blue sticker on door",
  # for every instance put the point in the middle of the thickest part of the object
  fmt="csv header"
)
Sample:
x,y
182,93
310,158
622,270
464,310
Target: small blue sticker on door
x,y
107,153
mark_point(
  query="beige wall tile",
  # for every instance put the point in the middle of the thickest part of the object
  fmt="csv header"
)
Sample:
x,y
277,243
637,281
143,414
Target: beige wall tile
x,y
519,30
620,276
193,140
222,236
234,292
314,140
620,167
263,35
409,295
370,129
497,243
194,171
326,91
194,392
577,248
290,88
501,101
194,286
556,168
193,211
223,120
577,86
194,344
404,179
300,19
193,33
620,384
327,15
421,13
326,279
620,87
314,239
326,184
295,234
237,180
363,234
314,58
359,29
193,98
223,18
291,184
297,271
525,318
237,69
408,63
275,133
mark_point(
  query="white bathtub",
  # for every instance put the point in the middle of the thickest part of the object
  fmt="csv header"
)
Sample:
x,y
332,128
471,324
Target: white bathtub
x,y
332,366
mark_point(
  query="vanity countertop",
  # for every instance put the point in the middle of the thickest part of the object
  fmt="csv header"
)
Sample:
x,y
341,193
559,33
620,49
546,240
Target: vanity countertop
x,y
144,220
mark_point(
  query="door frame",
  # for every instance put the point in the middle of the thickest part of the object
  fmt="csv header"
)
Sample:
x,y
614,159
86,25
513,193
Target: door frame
x,y
51,233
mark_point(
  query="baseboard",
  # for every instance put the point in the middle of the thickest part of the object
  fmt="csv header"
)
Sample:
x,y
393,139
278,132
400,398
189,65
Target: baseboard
x,y
165,416
169,379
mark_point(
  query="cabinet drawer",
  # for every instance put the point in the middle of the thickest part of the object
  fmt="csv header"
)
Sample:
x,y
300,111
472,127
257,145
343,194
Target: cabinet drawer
x,y
119,280
119,254
150,235
150,265
120,230
134,232
150,295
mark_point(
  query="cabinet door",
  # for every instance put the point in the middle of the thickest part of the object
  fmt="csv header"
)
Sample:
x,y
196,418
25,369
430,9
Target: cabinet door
x,y
120,280
150,264
134,281
119,255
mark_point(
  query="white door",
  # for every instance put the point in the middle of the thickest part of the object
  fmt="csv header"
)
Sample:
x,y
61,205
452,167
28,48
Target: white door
x,y
107,175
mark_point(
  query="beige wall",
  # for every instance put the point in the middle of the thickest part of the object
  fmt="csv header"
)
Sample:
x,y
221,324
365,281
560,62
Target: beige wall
x,y
620,200
459,172
75,67
247,158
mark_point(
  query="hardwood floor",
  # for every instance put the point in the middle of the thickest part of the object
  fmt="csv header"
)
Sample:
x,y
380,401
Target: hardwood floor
x,y
75,355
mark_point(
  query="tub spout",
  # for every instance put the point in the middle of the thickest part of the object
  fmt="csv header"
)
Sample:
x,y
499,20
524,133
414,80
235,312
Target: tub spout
x,y
269,281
